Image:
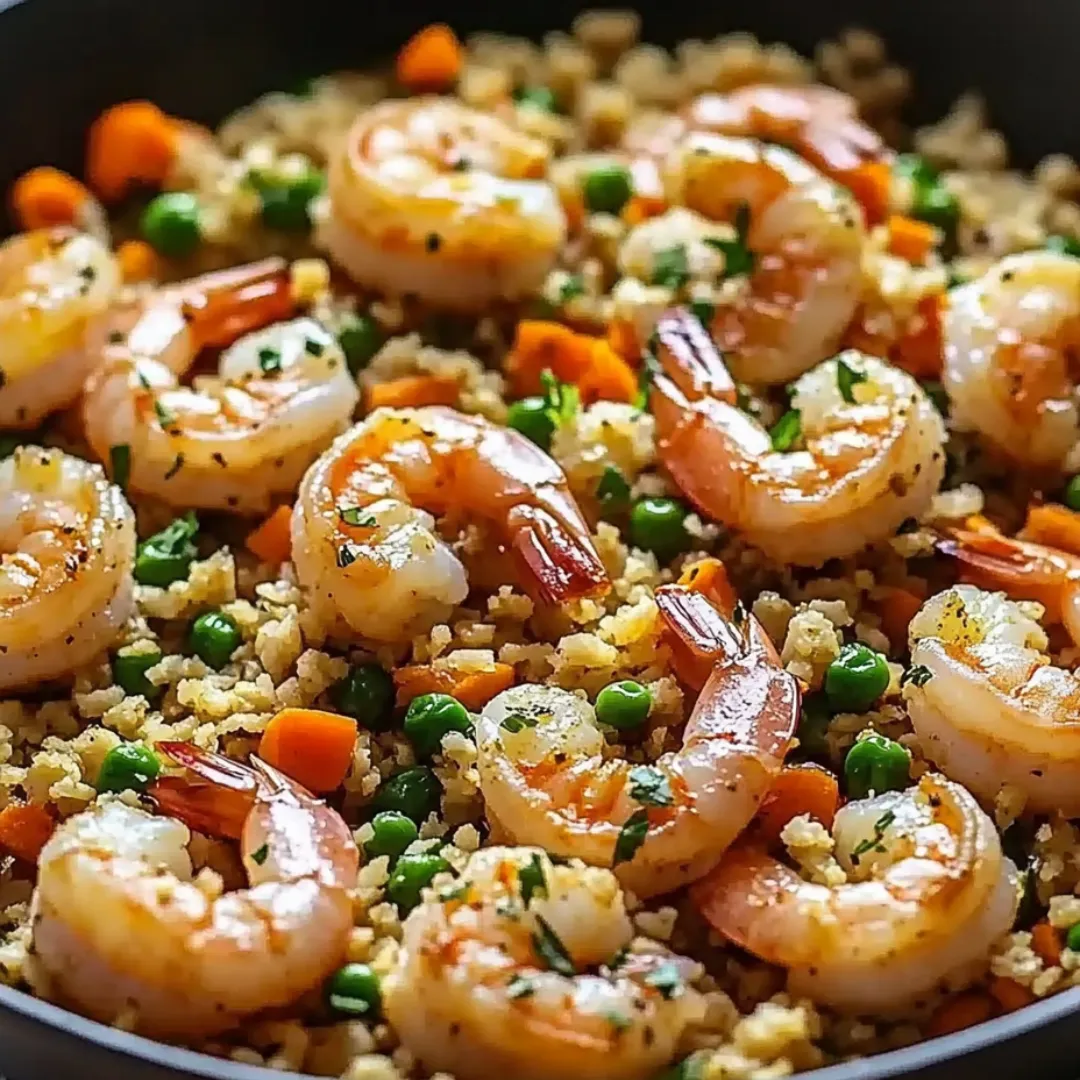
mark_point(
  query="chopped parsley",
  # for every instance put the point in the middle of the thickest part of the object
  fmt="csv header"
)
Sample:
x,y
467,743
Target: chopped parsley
x,y
516,722
917,675
456,891
738,258
346,555
619,1021
175,467
612,491
666,979
165,418
551,950
258,856
631,837
120,464
846,378
670,267
269,361
531,880
874,843
573,286
561,400
650,787
315,348
520,986
787,431
353,515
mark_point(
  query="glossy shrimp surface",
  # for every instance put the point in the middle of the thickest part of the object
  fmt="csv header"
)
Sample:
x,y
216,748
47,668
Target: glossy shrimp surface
x,y
363,529
518,968
67,546
433,198
53,284
1011,344
546,780
123,932
806,238
233,440
864,467
928,893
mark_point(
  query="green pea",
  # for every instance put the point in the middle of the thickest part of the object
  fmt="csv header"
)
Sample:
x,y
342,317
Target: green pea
x,y
360,338
537,97
170,224
916,168
1064,245
623,705
814,726
354,991
659,525
286,199
876,764
367,695
430,717
412,874
167,556
1072,938
129,672
607,189
612,491
214,638
856,678
937,206
393,833
128,767
532,417
1072,493
413,792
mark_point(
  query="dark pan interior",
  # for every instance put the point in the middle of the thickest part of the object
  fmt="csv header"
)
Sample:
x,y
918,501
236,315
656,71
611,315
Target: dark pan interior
x,y
62,61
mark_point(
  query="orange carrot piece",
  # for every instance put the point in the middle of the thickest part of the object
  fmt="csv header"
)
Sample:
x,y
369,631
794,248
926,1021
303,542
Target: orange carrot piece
x,y
1054,525
45,197
920,349
609,377
911,239
622,338
1010,994
431,59
709,577
271,542
962,1011
413,391
315,748
473,689
132,143
799,789
870,184
25,829
897,607
138,261
1046,942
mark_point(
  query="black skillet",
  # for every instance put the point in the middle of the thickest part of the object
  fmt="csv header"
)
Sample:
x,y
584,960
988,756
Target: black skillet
x,y
62,61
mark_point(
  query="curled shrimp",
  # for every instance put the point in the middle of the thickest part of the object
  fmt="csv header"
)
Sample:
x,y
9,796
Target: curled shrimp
x,y
928,892
53,283
363,536
1011,340
989,707
546,781
67,547
872,450
806,237
432,198
231,441
492,977
123,932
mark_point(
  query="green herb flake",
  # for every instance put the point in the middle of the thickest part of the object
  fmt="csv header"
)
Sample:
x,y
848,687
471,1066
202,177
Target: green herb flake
x,y
787,431
353,515
551,950
874,843
650,787
449,893
917,675
175,467
313,347
120,464
670,267
619,1021
520,986
346,555
258,856
516,722
269,361
562,400
631,837
612,491
165,417
667,979
573,286
738,258
531,880
847,378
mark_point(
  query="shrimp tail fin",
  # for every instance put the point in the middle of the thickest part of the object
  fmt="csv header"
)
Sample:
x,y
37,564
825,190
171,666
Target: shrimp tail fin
x,y
700,636
214,796
224,305
690,358
560,562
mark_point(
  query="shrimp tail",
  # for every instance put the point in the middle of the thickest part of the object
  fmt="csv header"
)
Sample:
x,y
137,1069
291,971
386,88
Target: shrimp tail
x,y
697,634
214,796
560,562
225,305
691,359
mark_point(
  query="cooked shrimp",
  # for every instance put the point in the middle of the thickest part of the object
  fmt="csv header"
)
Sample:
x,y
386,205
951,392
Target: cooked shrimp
x,y
1011,348
231,441
124,933
67,547
806,237
545,779
363,536
491,977
872,452
52,283
989,707
432,198
928,892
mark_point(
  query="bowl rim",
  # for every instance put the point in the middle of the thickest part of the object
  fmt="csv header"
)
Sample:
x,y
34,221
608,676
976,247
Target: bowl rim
x,y
193,1063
